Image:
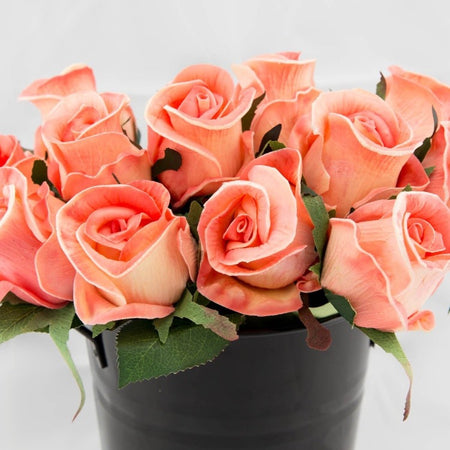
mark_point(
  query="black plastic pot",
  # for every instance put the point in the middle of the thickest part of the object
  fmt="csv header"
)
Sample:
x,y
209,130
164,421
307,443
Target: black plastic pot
x,y
266,391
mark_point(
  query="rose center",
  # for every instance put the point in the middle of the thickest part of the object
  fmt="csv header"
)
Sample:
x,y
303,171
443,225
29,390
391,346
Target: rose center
x,y
82,120
121,229
426,239
373,127
110,228
117,225
240,229
201,103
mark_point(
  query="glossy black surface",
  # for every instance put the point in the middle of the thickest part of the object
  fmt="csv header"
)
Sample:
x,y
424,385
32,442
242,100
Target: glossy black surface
x,y
266,391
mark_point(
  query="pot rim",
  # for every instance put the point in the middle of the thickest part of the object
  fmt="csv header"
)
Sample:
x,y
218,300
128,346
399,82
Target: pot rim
x,y
252,334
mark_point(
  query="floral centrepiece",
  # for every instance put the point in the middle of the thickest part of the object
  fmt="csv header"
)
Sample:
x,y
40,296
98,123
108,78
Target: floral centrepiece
x,y
264,197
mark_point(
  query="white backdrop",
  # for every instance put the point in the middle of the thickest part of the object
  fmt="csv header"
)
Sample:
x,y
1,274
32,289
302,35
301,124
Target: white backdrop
x,y
136,47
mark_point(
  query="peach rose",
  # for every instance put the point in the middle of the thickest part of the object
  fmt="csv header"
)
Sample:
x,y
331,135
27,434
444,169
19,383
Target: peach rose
x,y
10,150
47,92
413,95
294,116
359,144
388,257
86,145
412,174
199,115
256,238
438,157
32,266
132,256
279,75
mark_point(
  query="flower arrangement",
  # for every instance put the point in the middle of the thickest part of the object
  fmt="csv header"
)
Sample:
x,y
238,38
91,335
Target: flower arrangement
x,y
255,203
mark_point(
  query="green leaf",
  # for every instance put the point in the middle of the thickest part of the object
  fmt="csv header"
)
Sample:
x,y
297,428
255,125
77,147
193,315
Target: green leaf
x,y
435,121
271,135
324,311
381,87
316,268
162,327
237,319
76,322
193,217
319,217
137,140
389,343
172,161
422,151
39,175
12,299
246,120
59,331
342,305
16,319
39,172
386,340
306,190
272,146
429,170
142,356
99,329
22,318
201,299
206,317
407,188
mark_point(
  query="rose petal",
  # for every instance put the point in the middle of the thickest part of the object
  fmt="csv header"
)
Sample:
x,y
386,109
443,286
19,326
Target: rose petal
x,y
282,75
45,93
210,183
413,102
294,115
427,207
245,299
381,234
93,308
19,229
439,157
352,272
421,320
10,150
126,168
55,273
215,78
355,166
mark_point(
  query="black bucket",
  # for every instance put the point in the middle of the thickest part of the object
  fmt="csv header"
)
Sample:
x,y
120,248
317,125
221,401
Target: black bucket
x,y
265,391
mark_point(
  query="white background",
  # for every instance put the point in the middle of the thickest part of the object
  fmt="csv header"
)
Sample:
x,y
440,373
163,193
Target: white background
x,y
138,46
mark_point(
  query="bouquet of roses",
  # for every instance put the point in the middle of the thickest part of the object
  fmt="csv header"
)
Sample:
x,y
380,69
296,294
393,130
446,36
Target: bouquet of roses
x,y
260,201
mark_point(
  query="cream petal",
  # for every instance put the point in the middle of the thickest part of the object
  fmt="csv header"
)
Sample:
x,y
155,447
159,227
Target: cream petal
x,y
93,308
